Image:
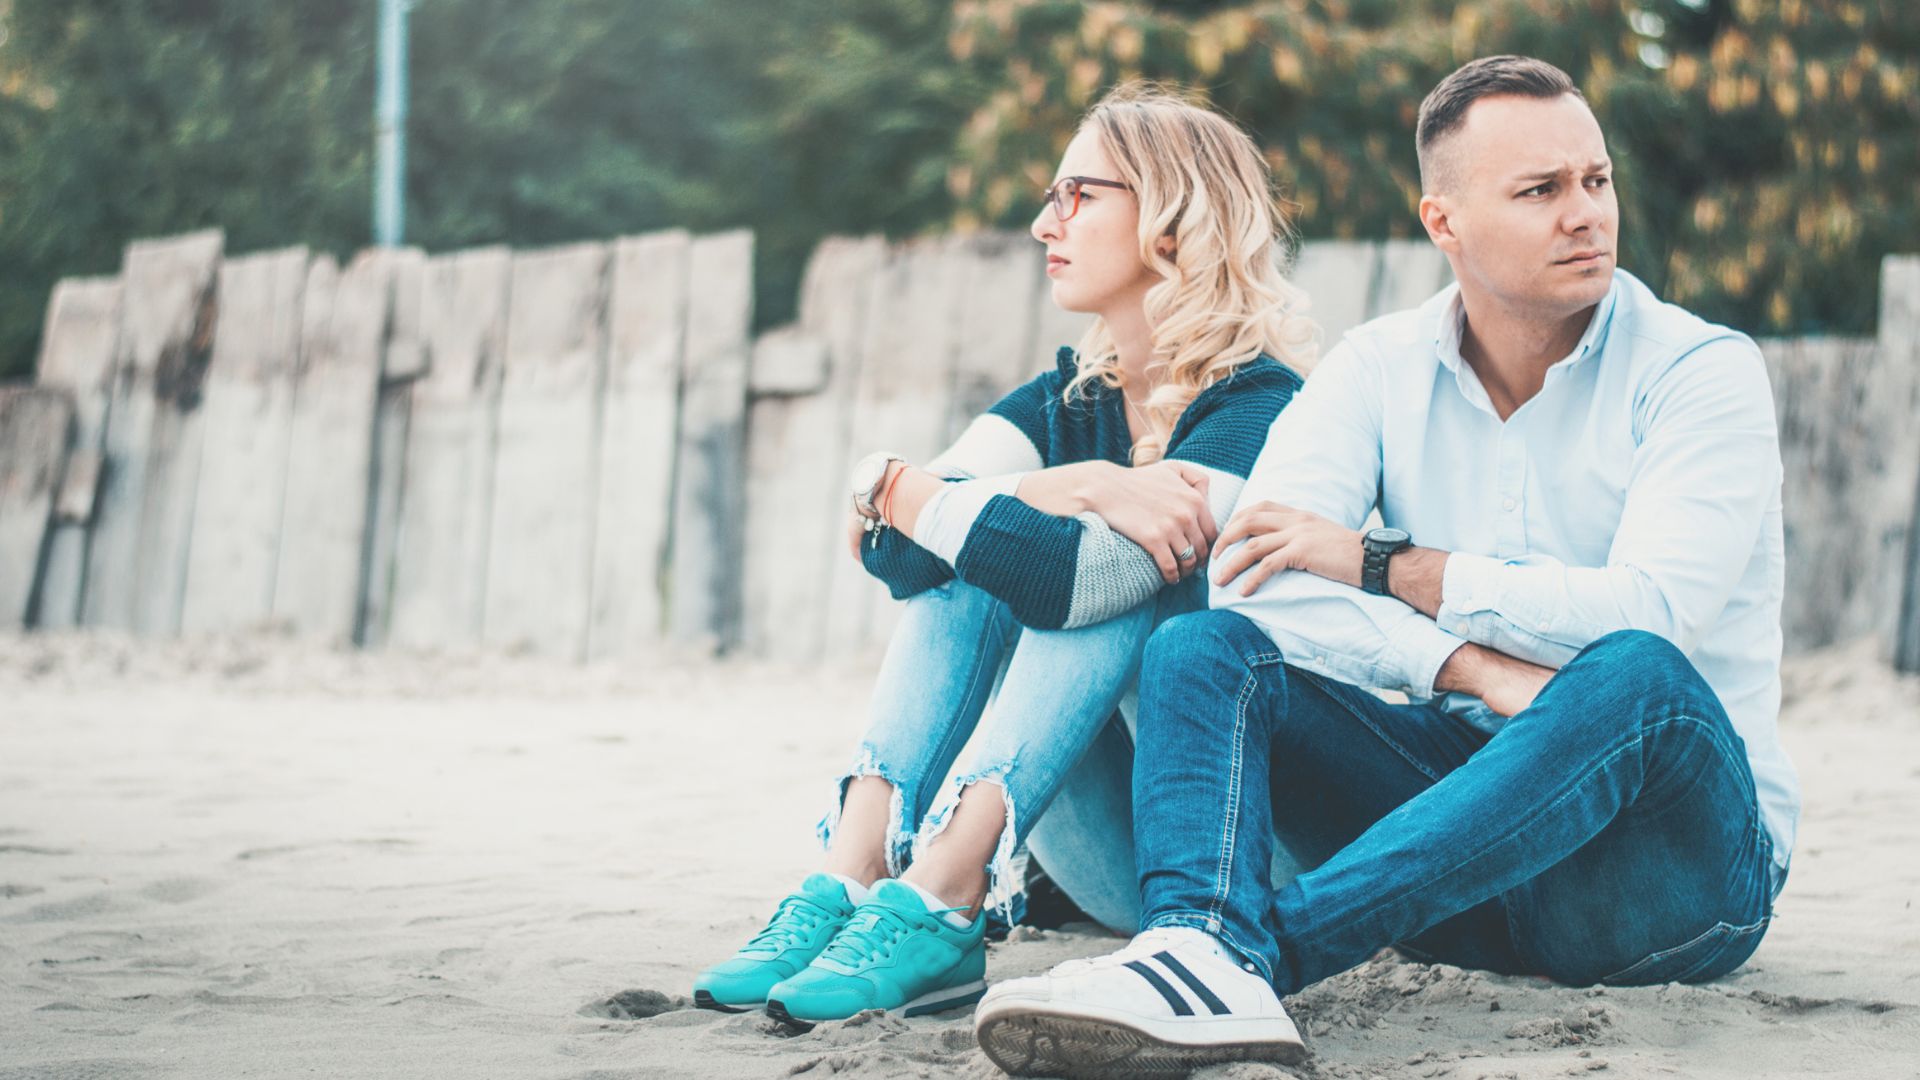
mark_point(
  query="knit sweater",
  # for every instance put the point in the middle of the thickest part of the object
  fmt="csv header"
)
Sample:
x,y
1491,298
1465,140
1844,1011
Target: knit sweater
x,y
1060,572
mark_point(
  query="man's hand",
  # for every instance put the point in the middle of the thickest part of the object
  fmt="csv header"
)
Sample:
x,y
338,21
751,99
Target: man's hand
x,y
1282,538
1507,685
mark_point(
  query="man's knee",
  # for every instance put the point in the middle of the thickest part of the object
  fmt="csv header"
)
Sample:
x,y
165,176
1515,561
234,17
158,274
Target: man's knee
x,y
1636,666
1200,637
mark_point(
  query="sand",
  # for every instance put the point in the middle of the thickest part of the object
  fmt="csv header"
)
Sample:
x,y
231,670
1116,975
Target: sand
x,y
255,858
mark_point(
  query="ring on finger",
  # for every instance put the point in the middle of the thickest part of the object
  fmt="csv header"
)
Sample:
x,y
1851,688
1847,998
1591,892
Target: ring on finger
x,y
1186,554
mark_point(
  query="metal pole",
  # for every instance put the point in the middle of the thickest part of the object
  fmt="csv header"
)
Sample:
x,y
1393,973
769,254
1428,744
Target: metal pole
x,y
390,127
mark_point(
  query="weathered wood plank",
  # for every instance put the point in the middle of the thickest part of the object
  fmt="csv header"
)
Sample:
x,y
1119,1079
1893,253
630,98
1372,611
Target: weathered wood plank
x,y
247,410
440,567
1410,271
36,430
709,495
646,334
1850,449
1000,276
344,317
796,465
901,403
1338,276
402,363
1899,345
136,557
546,484
796,461
77,353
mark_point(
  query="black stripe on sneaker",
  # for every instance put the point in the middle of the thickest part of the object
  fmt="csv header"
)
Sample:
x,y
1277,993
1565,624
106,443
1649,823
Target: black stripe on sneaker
x,y
1207,997
1180,1006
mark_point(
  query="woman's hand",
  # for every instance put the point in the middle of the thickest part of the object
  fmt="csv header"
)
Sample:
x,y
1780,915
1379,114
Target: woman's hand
x,y
856,531
1162,507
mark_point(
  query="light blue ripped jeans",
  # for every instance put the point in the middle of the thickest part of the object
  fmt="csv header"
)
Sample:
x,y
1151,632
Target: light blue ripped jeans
x,y
1055,743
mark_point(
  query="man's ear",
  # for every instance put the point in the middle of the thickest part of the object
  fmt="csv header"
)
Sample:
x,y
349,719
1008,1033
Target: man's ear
x,y
1435,214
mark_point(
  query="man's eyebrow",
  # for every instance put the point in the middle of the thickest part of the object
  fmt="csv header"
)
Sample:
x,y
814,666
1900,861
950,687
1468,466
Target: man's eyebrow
x,y
1596,165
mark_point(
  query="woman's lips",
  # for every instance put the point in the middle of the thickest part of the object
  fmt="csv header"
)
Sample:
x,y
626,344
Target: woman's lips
x,y
1055,262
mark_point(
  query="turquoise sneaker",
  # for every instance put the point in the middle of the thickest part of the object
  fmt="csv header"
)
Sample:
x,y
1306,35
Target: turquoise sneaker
x,y
802,926
895,955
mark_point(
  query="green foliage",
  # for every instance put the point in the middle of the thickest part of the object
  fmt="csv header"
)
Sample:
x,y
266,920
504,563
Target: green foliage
x,y
1766,150
530,124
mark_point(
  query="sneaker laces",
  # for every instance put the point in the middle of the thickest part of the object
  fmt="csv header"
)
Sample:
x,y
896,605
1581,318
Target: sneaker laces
x,y
873,932
1145,943
796,918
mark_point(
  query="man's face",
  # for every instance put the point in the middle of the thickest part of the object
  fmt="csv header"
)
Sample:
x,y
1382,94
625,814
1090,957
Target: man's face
x,y
1527,196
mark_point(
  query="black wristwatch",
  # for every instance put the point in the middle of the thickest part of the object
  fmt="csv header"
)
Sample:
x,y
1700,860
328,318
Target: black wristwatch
x,y
1378,546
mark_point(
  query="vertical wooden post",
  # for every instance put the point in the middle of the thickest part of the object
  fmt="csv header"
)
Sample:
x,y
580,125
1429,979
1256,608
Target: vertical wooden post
x,y
440,565
137,555
77,354
1900,346
646,338
330,447
36,426
248,412
709,496
546,471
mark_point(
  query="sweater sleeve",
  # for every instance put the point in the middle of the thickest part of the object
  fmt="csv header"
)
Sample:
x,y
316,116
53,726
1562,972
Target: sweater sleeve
x,y
1060,572
1007,440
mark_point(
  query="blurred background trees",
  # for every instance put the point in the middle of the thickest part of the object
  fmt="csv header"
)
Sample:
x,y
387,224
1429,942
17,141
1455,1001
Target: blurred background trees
x,y
1767,151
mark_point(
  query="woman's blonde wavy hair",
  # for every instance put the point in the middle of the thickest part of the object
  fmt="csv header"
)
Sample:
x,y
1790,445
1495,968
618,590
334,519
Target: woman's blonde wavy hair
x,y
1222,299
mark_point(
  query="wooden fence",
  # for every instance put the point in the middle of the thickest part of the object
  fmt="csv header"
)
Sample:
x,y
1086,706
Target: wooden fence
x,y
580,452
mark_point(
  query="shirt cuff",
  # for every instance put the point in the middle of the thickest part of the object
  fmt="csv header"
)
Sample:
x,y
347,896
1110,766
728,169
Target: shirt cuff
x,y
1466,588
947,518
1422,648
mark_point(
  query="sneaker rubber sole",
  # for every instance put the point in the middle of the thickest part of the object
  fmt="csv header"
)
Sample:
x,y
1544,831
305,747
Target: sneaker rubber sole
x,y
952,997
1037,1041
703,999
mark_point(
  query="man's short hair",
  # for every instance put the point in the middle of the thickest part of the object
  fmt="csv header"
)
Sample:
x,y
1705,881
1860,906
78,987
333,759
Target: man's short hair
x,y
1445,109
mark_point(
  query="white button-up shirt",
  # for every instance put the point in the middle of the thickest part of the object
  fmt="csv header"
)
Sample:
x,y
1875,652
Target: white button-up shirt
x,y
1639,489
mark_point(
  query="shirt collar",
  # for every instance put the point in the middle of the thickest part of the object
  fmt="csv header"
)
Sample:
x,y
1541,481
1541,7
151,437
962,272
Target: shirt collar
x,y
1450,320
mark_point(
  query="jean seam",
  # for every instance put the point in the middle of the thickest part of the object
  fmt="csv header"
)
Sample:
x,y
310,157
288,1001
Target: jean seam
x,y
1223,868
1729,935
1197,921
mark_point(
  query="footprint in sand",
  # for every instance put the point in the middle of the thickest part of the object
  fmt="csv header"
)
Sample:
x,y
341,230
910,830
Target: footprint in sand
x,y
179,890
634,1005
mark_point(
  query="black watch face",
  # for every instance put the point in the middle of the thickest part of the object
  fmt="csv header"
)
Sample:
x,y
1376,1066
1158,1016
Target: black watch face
x,y
1388,537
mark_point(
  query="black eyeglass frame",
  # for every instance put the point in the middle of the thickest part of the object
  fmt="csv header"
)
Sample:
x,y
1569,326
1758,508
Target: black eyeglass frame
x,y
1057,193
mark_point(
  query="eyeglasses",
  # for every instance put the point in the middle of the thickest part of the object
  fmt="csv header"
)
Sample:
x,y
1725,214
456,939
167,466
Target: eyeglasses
x,y
1065,193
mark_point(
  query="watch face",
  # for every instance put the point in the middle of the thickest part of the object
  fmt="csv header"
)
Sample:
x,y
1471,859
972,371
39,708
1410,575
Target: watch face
x,y
866,474
1388,537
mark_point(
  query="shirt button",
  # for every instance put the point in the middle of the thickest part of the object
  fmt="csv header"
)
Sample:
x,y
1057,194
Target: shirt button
x,y
1508,505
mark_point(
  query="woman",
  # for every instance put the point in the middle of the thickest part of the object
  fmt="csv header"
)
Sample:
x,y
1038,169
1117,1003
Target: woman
x,y
1031,544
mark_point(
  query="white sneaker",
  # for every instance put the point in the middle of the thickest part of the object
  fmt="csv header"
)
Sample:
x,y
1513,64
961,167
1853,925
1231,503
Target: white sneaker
x,y
1173,1000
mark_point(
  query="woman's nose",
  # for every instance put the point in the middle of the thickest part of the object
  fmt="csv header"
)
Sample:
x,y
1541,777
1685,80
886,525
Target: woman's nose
x,y
1046,224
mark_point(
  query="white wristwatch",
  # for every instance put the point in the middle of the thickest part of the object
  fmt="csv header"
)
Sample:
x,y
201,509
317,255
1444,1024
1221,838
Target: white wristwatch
x,y
868,474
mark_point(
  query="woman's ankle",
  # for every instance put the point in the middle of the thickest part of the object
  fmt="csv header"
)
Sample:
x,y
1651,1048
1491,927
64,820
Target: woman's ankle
x,y
956,887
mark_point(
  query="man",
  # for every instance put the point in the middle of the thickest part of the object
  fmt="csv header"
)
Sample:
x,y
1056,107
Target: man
x,y
1580,591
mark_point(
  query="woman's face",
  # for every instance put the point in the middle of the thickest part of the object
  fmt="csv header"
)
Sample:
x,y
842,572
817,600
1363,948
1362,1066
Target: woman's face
x,y
1093,258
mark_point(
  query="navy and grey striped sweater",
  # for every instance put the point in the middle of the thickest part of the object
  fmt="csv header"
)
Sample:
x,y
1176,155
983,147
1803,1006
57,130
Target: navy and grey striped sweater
x,y
1057,572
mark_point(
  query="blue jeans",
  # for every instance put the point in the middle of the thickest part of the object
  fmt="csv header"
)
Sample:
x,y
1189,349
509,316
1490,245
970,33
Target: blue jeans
x,y
1607,834
1056,701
